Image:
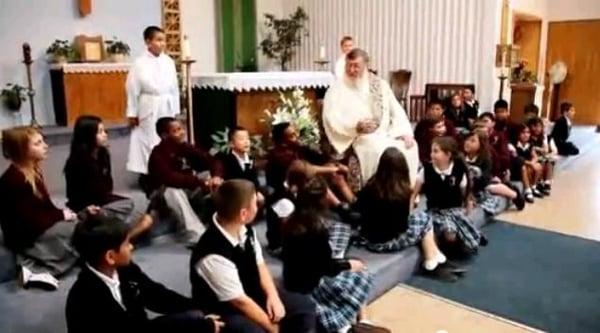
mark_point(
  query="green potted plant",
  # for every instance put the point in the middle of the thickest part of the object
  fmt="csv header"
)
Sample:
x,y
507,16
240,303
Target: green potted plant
x,y
118,50
60,52
284,36
13,96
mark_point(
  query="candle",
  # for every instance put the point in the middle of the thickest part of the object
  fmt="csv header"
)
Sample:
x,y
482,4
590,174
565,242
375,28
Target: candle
x,y
185,48
322,53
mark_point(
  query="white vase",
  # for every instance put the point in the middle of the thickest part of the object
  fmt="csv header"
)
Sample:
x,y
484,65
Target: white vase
x,y
118,57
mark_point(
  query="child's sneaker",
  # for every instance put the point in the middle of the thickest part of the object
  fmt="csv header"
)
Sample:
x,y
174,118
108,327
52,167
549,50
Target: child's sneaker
x,y
529,196
542,189
536,193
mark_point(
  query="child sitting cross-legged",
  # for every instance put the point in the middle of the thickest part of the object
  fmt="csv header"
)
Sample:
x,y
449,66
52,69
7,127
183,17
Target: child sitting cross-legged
x,y
112,293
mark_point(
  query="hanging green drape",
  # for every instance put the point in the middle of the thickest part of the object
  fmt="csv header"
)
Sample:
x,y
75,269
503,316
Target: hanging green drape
x,y
237,35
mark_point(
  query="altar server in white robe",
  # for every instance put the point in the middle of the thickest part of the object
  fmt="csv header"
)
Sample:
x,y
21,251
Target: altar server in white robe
x,y
361,111
346,45
152,93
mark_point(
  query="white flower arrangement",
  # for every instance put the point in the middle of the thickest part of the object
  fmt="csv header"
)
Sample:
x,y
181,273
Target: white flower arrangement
x,y
295,109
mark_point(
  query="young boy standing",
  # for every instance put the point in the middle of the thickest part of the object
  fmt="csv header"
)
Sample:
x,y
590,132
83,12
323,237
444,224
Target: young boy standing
x,y
346,45
152,93
229,274
174,170
112,293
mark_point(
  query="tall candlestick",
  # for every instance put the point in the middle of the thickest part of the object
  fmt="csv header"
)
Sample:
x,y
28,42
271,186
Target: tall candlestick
x,y
185,48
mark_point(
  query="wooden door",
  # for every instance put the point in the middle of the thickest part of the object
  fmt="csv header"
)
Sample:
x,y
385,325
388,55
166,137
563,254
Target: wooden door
x,y
577,44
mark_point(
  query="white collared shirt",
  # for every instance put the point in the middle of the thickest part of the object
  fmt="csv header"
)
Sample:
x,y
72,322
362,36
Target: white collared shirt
x,y
523,146
242,160
443,174
568,121
220,273
112,283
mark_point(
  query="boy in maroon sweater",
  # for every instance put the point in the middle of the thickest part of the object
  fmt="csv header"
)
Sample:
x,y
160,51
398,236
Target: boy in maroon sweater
x,y
175,170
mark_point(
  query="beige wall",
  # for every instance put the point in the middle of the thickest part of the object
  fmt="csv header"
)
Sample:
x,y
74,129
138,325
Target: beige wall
x,y
564,10
198,22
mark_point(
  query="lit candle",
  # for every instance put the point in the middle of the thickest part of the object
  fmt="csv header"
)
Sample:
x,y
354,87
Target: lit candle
x,y
322,53
185,48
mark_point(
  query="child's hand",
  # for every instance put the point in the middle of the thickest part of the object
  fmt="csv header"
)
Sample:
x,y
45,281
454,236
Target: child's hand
x,y
275,309
217,321
356,265
69,215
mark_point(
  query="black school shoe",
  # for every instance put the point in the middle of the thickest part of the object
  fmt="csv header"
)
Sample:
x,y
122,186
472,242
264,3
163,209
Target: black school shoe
x,y
519,201
542,189
455,268
442,273
536,193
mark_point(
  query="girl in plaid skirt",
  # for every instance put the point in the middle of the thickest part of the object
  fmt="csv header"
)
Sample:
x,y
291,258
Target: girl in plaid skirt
x,y
487,190
339,287
385,205
446,185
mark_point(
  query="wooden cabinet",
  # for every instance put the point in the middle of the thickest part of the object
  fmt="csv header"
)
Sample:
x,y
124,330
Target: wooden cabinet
x,y
94,89
522,94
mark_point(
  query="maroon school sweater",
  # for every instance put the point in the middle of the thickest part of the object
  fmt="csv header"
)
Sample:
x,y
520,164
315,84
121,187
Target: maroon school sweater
x,y
24,216
173,164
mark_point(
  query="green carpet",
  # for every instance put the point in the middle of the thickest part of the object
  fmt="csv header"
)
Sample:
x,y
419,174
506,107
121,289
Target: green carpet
x,y
539,278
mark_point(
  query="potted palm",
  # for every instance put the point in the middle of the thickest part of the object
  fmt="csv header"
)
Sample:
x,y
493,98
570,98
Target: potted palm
x,y
60,52
13,97
118,50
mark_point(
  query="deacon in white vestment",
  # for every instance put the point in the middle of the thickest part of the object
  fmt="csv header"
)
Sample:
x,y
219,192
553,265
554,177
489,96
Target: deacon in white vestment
x,y
361,111
152,93
346,45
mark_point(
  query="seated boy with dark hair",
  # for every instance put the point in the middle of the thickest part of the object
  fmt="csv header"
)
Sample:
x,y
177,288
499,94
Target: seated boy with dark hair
x,y
562,130
174,172
229,274
238,163
112,293
531,110
499,152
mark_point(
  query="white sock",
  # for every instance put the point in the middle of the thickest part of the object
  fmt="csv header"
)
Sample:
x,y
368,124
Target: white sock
x,y
440,258
548,182
528,190
345,329
430,264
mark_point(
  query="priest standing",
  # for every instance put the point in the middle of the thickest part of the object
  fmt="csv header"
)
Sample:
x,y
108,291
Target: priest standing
x,y
346,45
152,93
361,111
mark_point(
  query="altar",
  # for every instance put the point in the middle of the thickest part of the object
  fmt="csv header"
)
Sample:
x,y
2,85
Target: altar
x,y
89,88
223,100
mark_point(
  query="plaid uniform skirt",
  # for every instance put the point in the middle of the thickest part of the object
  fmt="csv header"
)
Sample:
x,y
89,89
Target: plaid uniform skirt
x,y
419,223
339,237
490,203
456,221
340,298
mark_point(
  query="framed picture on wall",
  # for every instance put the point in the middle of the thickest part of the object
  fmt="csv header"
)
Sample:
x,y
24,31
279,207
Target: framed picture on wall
x,y
91,49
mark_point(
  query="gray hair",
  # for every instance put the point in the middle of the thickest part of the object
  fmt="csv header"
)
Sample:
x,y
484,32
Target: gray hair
x,y
357,53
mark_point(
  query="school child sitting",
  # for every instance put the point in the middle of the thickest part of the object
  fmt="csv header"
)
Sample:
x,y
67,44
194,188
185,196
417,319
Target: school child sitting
x,y
445,183
545,149
562,130
487,189
112,293
530,170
